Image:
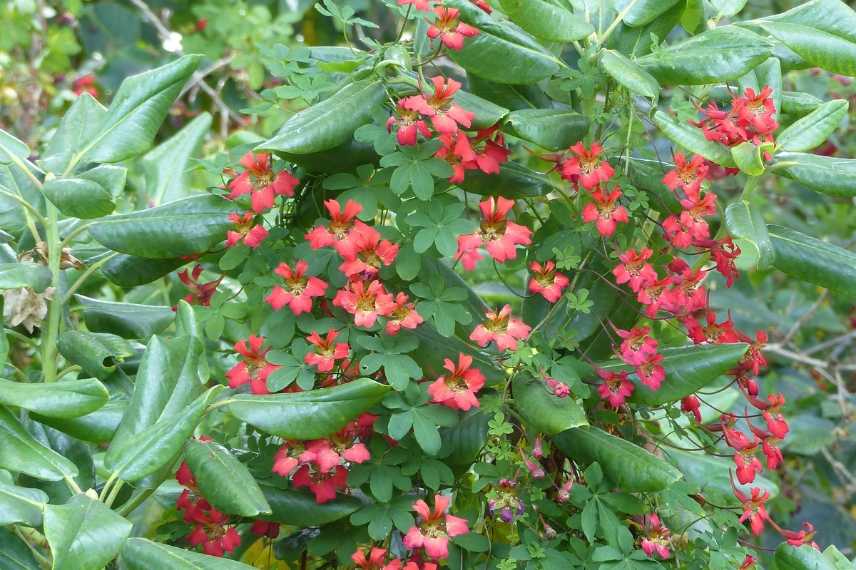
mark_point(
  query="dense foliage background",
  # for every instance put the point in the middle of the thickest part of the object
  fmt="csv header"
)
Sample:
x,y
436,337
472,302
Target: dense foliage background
x,y
141,313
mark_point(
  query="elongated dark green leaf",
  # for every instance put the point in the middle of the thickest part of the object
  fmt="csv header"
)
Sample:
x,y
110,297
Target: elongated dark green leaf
x,y
308,415
165,166
688,369
76,129
84,533
641,12
513,181
502,52
127,320
33,275
627,465
820,48
514,97
799,103
812,260
543,411
463,442
23,454
824,174
692,139
747,228
299,508
131,122
144,554
713,475
329,123
14,553
157,446
552,129
813,129
628,74
485,113
184,227
223,480
833,16
548,21
131,271
68,399
79,198
21,505
727,52
96,427
98,354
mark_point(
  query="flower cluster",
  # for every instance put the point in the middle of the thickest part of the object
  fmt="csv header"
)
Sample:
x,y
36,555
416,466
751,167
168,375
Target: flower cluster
x,y
446,25
321,465
212,529
497,234
751,118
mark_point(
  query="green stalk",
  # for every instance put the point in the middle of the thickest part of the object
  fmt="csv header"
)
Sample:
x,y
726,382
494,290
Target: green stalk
x,y
49,353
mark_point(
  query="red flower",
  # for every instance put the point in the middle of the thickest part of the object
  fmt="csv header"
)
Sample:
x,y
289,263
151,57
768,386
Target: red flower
x,y
604,211
776,423
424,5
637,345
483,5
403,315
367,253
651,372
615,389
690,226
374,561
445,115
724,253
85,84
449,29
339,233
713,332
408,123
656,539
199,293
546,281
804,536
748,563
457,390
265,528
210,528
687,175
253,367
285,461
489,150
753,509
756,111
435,528
586,167
559,389
692,405
634,269
246,230
326,352
298,291
324,485
497,234
747,465
365,300
502,328
260,182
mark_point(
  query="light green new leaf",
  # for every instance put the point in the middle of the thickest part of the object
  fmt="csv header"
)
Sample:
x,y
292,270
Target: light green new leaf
x,y
547,21
628,74
692,139
502,52
627,465
21,505
185,227
813,129
21,453
641,12
746,226
308,415
329,123
812,260
543,411
747,157
223,480
142,101
165,166
825,174
84,533
713,56
144,554
67,399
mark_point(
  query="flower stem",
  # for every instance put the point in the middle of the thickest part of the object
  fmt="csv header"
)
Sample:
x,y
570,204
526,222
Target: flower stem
x,y
49,353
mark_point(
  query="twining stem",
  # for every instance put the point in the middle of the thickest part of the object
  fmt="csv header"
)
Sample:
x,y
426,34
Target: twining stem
x,y
49,354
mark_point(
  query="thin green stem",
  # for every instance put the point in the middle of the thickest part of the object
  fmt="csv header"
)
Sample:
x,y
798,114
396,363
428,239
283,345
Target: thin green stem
x,y
72,485
114,492
106,488
618,19
135,502
74,233
82,279
49,353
